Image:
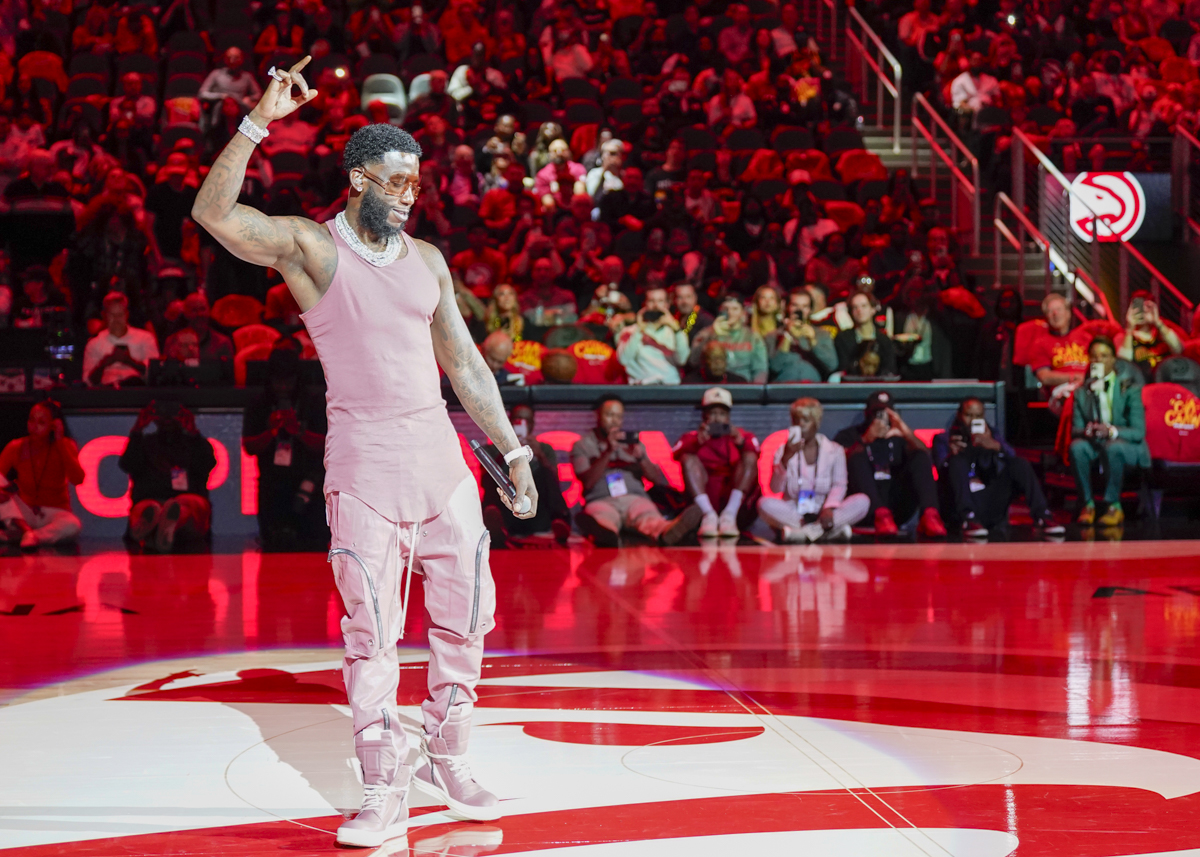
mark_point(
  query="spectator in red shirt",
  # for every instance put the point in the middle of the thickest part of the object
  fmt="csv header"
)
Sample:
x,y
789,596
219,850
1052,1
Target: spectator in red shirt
x,y
37,510
1059,354
720,468
481,267
560,175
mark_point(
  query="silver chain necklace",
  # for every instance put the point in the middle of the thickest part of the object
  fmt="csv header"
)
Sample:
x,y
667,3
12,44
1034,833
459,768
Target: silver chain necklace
x,y
378,258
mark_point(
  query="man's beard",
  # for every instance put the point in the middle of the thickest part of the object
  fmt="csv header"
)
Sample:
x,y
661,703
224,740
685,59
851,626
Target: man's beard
x,y
373,214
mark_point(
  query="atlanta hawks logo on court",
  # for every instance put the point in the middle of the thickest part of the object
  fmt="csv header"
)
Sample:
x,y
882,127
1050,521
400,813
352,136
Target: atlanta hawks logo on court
x,y
1117,199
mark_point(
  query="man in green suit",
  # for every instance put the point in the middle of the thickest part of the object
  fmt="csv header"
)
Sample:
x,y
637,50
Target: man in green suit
x,y
1108,425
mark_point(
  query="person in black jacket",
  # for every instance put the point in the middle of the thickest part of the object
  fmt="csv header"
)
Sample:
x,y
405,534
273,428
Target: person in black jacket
x,y
168,470
285,430
891,465
866,327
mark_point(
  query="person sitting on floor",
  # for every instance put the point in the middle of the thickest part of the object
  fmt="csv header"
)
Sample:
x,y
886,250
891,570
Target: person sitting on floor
x,y
168,472
611,464
980,474
720,468
810,473
891,465
553,516
37,510
1108,426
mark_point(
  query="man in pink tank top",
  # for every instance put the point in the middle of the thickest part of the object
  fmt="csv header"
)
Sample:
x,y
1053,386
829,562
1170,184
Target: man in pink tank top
x,y
381,311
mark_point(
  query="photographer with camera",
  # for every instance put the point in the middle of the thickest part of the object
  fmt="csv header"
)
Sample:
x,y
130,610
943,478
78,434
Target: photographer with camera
x,y
653,350
1108,427
720,468
803,351
611,463
891,465
37,510
168,462
810,474
980,474
285,430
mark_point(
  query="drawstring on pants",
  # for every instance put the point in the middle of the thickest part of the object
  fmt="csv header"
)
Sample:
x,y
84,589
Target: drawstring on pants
x,y
414,535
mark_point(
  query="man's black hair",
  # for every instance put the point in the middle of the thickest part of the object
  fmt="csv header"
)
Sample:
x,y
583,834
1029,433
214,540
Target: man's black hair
x,y
605,399
370,143
1105,341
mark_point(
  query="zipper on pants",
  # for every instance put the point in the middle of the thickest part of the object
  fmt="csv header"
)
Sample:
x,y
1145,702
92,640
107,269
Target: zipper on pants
x,y
483,540
379,635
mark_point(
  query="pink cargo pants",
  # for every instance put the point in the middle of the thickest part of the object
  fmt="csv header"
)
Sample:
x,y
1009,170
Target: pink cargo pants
x,y
369,554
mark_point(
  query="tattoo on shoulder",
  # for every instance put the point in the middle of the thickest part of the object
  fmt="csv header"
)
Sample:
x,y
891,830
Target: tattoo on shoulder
x,y
320,251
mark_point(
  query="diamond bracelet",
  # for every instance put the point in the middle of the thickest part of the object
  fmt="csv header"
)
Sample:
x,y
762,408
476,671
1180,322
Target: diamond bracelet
x,y
254,132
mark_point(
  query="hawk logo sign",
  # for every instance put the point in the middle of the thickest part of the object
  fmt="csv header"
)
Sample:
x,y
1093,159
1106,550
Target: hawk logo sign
x,y
1117,199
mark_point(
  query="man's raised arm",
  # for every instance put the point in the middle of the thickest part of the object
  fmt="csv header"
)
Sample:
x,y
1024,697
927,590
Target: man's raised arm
x,y
296,247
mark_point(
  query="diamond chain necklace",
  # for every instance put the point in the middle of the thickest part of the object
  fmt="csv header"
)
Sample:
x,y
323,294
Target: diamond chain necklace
x,y
378,258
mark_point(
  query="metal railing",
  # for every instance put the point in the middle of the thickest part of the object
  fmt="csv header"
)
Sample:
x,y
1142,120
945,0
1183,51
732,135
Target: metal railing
x,y
1080,287
817,9
959,182
1185,171
1138,273
865,41
1052,214
1133,270
1025,229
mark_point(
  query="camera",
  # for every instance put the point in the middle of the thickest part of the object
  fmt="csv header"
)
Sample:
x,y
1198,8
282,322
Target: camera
x,y
719,429
978,426
629,437
652,315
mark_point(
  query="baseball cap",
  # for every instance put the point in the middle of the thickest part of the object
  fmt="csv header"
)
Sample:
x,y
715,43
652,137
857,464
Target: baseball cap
x,y
176,165
717,396
880,400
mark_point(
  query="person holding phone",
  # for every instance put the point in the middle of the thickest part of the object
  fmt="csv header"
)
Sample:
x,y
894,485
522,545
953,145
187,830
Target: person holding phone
x,y
1148,340
810,475
654,348
803,350
746,353
720,468
891,465
1108,427
119,354
611,463
37,509
979,474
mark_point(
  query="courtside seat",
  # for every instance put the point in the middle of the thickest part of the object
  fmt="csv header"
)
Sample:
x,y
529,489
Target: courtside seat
x,y
1173,435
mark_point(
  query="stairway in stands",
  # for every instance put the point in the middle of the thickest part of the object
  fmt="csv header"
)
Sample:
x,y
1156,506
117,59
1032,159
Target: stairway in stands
x,y
879,140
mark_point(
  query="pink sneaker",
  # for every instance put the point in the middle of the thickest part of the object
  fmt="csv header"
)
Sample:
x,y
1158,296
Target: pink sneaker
x,y
446,774
384,813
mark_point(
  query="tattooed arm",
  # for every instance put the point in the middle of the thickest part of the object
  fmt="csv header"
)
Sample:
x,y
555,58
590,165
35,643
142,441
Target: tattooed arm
x,y
471,378
301,250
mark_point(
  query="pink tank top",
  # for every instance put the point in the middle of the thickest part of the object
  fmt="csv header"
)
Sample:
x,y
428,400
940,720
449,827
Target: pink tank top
x,y
390,441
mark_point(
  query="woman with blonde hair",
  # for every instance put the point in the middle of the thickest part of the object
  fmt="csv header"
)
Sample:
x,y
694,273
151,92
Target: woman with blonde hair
x,y
504,312
765,315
